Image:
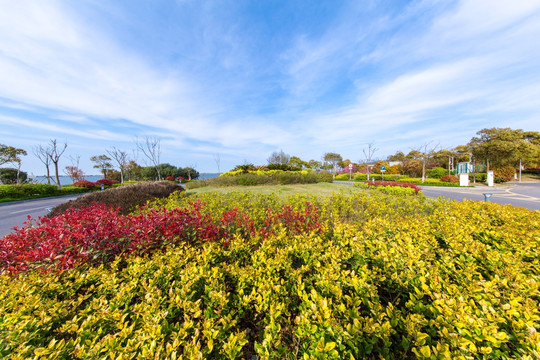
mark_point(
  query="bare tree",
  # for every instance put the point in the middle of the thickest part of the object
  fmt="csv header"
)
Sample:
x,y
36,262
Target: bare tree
x,y
74,171
121,159
369,155
151,149
278,158
425,153
56,152
189,169
43,153
217,159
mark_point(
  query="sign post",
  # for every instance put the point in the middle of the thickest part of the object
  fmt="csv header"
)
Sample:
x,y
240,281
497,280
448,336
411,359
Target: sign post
x,y
350,171
383,169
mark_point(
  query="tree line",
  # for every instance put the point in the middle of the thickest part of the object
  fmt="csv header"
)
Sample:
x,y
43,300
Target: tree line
x,y
115,164
492,148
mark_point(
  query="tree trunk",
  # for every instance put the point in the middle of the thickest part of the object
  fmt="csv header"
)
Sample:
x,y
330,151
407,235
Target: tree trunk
x,y
48,175
57,176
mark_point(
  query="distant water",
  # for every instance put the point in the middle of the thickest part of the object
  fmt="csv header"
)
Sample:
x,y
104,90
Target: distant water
x,y
204,176
66,180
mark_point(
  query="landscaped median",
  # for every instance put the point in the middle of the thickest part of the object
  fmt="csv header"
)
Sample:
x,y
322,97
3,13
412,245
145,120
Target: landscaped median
x,y
233,275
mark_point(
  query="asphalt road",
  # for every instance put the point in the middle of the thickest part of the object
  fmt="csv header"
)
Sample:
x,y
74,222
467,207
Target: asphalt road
x,y
524,194
15,214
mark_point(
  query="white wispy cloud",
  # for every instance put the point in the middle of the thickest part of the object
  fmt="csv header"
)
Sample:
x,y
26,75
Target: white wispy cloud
x,y
398,75
476,60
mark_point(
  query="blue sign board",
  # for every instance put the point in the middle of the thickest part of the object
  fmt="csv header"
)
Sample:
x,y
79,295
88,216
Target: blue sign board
x,y
383,168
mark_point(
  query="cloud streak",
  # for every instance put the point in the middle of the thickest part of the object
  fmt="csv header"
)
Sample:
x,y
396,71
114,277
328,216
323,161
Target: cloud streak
x,y
240,80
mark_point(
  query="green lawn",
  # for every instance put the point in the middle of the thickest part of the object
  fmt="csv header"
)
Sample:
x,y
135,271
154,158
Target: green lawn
x,y
285,190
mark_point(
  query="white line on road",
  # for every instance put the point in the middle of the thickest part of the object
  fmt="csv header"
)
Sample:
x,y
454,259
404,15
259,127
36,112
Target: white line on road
x,y
27,210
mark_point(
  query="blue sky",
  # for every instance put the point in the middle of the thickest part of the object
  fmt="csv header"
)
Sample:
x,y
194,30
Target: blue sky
x,y
244,78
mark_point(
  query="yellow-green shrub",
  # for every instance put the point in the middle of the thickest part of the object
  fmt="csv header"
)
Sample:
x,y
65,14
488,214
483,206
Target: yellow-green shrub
x,y
387,278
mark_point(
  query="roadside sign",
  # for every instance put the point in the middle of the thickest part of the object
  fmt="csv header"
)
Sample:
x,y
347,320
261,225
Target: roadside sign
x,y
383,168
350,166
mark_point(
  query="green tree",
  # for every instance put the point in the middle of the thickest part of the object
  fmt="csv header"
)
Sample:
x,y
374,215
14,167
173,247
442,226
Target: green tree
x,y
168,170
314,164
398,156
297,162
133,170
499,147
103,163
188,173
148,173
332,160
10,154
12,176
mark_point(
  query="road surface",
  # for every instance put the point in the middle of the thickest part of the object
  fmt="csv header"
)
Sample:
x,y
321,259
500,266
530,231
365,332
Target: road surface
x,y
524,194
15,214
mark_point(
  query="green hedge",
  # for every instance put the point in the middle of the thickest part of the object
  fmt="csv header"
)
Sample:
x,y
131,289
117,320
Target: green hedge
x,y
264,178
428,182
30,191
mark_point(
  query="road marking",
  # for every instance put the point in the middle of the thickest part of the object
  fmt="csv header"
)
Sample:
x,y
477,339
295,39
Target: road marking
x,y
27,210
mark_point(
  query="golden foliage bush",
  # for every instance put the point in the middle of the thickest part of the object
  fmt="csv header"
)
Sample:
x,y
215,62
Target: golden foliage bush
x,y
387,277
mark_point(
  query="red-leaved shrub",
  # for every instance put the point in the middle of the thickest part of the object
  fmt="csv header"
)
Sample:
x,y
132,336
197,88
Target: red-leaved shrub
x,y
97,234
106,182
449,178
85,184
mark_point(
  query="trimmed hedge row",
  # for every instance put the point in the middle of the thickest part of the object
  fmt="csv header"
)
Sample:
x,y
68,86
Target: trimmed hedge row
x,y
272,177
25,191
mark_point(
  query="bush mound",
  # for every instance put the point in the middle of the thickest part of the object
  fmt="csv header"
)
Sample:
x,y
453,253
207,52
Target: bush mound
x,y
106,182
85,184
503,174
438,172
271,177
127,198
363,276
450,178
391,187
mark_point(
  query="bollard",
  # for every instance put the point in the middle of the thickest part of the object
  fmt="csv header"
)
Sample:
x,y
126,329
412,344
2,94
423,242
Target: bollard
x,y
487,196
